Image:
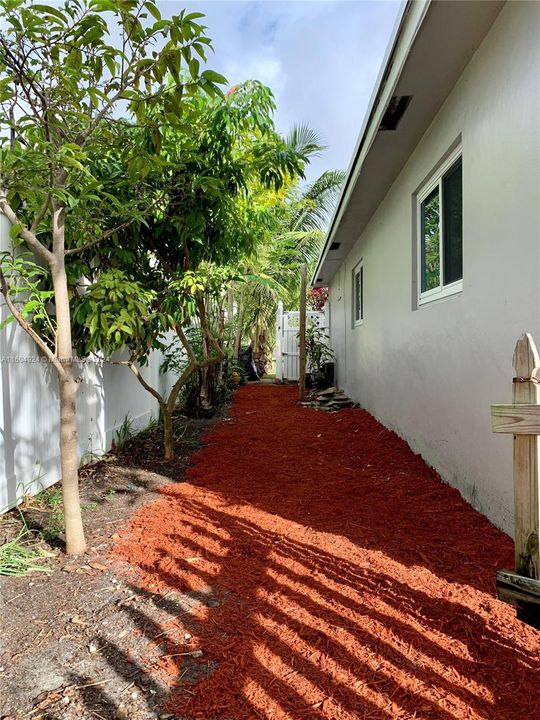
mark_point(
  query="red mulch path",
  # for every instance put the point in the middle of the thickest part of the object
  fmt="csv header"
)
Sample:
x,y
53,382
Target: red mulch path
x,y
352,583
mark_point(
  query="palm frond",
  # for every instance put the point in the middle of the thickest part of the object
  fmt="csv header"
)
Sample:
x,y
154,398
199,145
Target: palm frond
x,y
318,201
305,141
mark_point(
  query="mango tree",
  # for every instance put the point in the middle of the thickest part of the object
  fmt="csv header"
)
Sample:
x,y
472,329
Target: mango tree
x,y
185,252
64,86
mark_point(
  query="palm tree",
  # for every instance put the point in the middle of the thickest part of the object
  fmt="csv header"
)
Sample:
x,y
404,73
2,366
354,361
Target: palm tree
x,y
272,274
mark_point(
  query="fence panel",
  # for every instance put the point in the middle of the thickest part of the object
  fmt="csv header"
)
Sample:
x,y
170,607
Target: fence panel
x,y
287,345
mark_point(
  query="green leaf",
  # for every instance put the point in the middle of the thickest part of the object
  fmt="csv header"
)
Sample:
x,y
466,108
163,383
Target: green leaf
x,y
194,66
111,64
50,10
214,77
69,161
153,10
194,16
15,230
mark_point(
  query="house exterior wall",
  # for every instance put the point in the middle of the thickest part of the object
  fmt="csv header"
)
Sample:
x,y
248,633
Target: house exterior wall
x,y
431,373
29,412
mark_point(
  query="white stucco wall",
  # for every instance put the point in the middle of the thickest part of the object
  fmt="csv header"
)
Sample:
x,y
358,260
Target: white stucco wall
x,y
29,412
432,373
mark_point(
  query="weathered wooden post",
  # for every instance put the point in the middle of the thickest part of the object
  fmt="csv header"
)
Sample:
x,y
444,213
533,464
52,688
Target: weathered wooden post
x,y
302,379
279,342
522,419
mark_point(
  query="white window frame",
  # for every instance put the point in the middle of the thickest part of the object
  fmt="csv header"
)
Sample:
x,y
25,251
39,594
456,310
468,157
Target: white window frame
x,y
358,270
435,181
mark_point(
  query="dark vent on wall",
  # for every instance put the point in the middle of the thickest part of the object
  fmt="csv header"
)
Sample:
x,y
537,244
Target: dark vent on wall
x,y
395,111
335,246
319,280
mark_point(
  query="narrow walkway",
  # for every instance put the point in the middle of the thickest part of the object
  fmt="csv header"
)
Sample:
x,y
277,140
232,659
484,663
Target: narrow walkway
x,y
349,582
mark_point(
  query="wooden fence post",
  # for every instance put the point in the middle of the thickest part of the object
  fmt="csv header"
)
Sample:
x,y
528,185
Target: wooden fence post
x,y
302,379
279,342
522,419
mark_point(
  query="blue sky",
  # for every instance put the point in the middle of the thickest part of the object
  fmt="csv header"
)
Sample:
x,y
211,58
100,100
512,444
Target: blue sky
x,y
321,59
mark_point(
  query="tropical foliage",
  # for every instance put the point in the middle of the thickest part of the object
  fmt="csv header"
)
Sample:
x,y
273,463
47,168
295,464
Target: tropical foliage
x,y
273,273
69,97
149,210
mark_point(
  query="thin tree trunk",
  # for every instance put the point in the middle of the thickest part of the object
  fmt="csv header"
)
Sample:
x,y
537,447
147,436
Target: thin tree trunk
x,y
221,330
167,405
302,381
230,317
75,541
168,435
239,328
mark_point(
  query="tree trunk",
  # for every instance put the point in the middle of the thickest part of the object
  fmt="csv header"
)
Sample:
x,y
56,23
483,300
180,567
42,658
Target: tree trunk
x,y
302,381
75,541
168,435
230,317
218,374
239,328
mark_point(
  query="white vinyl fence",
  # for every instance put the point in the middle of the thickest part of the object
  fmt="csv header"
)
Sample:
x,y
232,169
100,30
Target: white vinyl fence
x,y
29,413
287,353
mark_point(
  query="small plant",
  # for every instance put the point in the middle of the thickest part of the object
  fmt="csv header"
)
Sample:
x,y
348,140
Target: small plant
x,y
50,501
54,527
18,557
89,505
91,456
123,434
317,352
48,498
317,298
234,375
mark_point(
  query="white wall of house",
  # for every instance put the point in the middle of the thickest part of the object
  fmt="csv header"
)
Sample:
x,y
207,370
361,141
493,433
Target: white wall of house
x,y
431,373
29,412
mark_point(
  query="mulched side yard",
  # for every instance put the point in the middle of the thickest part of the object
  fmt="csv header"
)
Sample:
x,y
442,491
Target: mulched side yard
x,y
338,578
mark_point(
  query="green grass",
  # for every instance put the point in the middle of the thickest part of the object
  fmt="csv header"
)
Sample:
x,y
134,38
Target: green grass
x,y
89,506
123,433
49,498
18,557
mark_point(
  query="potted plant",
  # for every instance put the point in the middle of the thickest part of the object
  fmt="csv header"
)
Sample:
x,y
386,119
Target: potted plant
x,y
318,354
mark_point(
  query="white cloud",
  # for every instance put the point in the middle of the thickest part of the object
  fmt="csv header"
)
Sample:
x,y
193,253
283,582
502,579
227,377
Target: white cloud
x,y
268,70
321,59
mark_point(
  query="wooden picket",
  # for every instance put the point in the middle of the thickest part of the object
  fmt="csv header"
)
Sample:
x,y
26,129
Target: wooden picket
x,y
522,419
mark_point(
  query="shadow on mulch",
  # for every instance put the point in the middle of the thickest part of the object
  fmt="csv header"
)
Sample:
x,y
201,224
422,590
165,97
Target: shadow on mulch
x,y
336,578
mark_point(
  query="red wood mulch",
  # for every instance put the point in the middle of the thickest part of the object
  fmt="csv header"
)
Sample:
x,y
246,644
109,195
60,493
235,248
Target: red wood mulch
x,y
351,582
